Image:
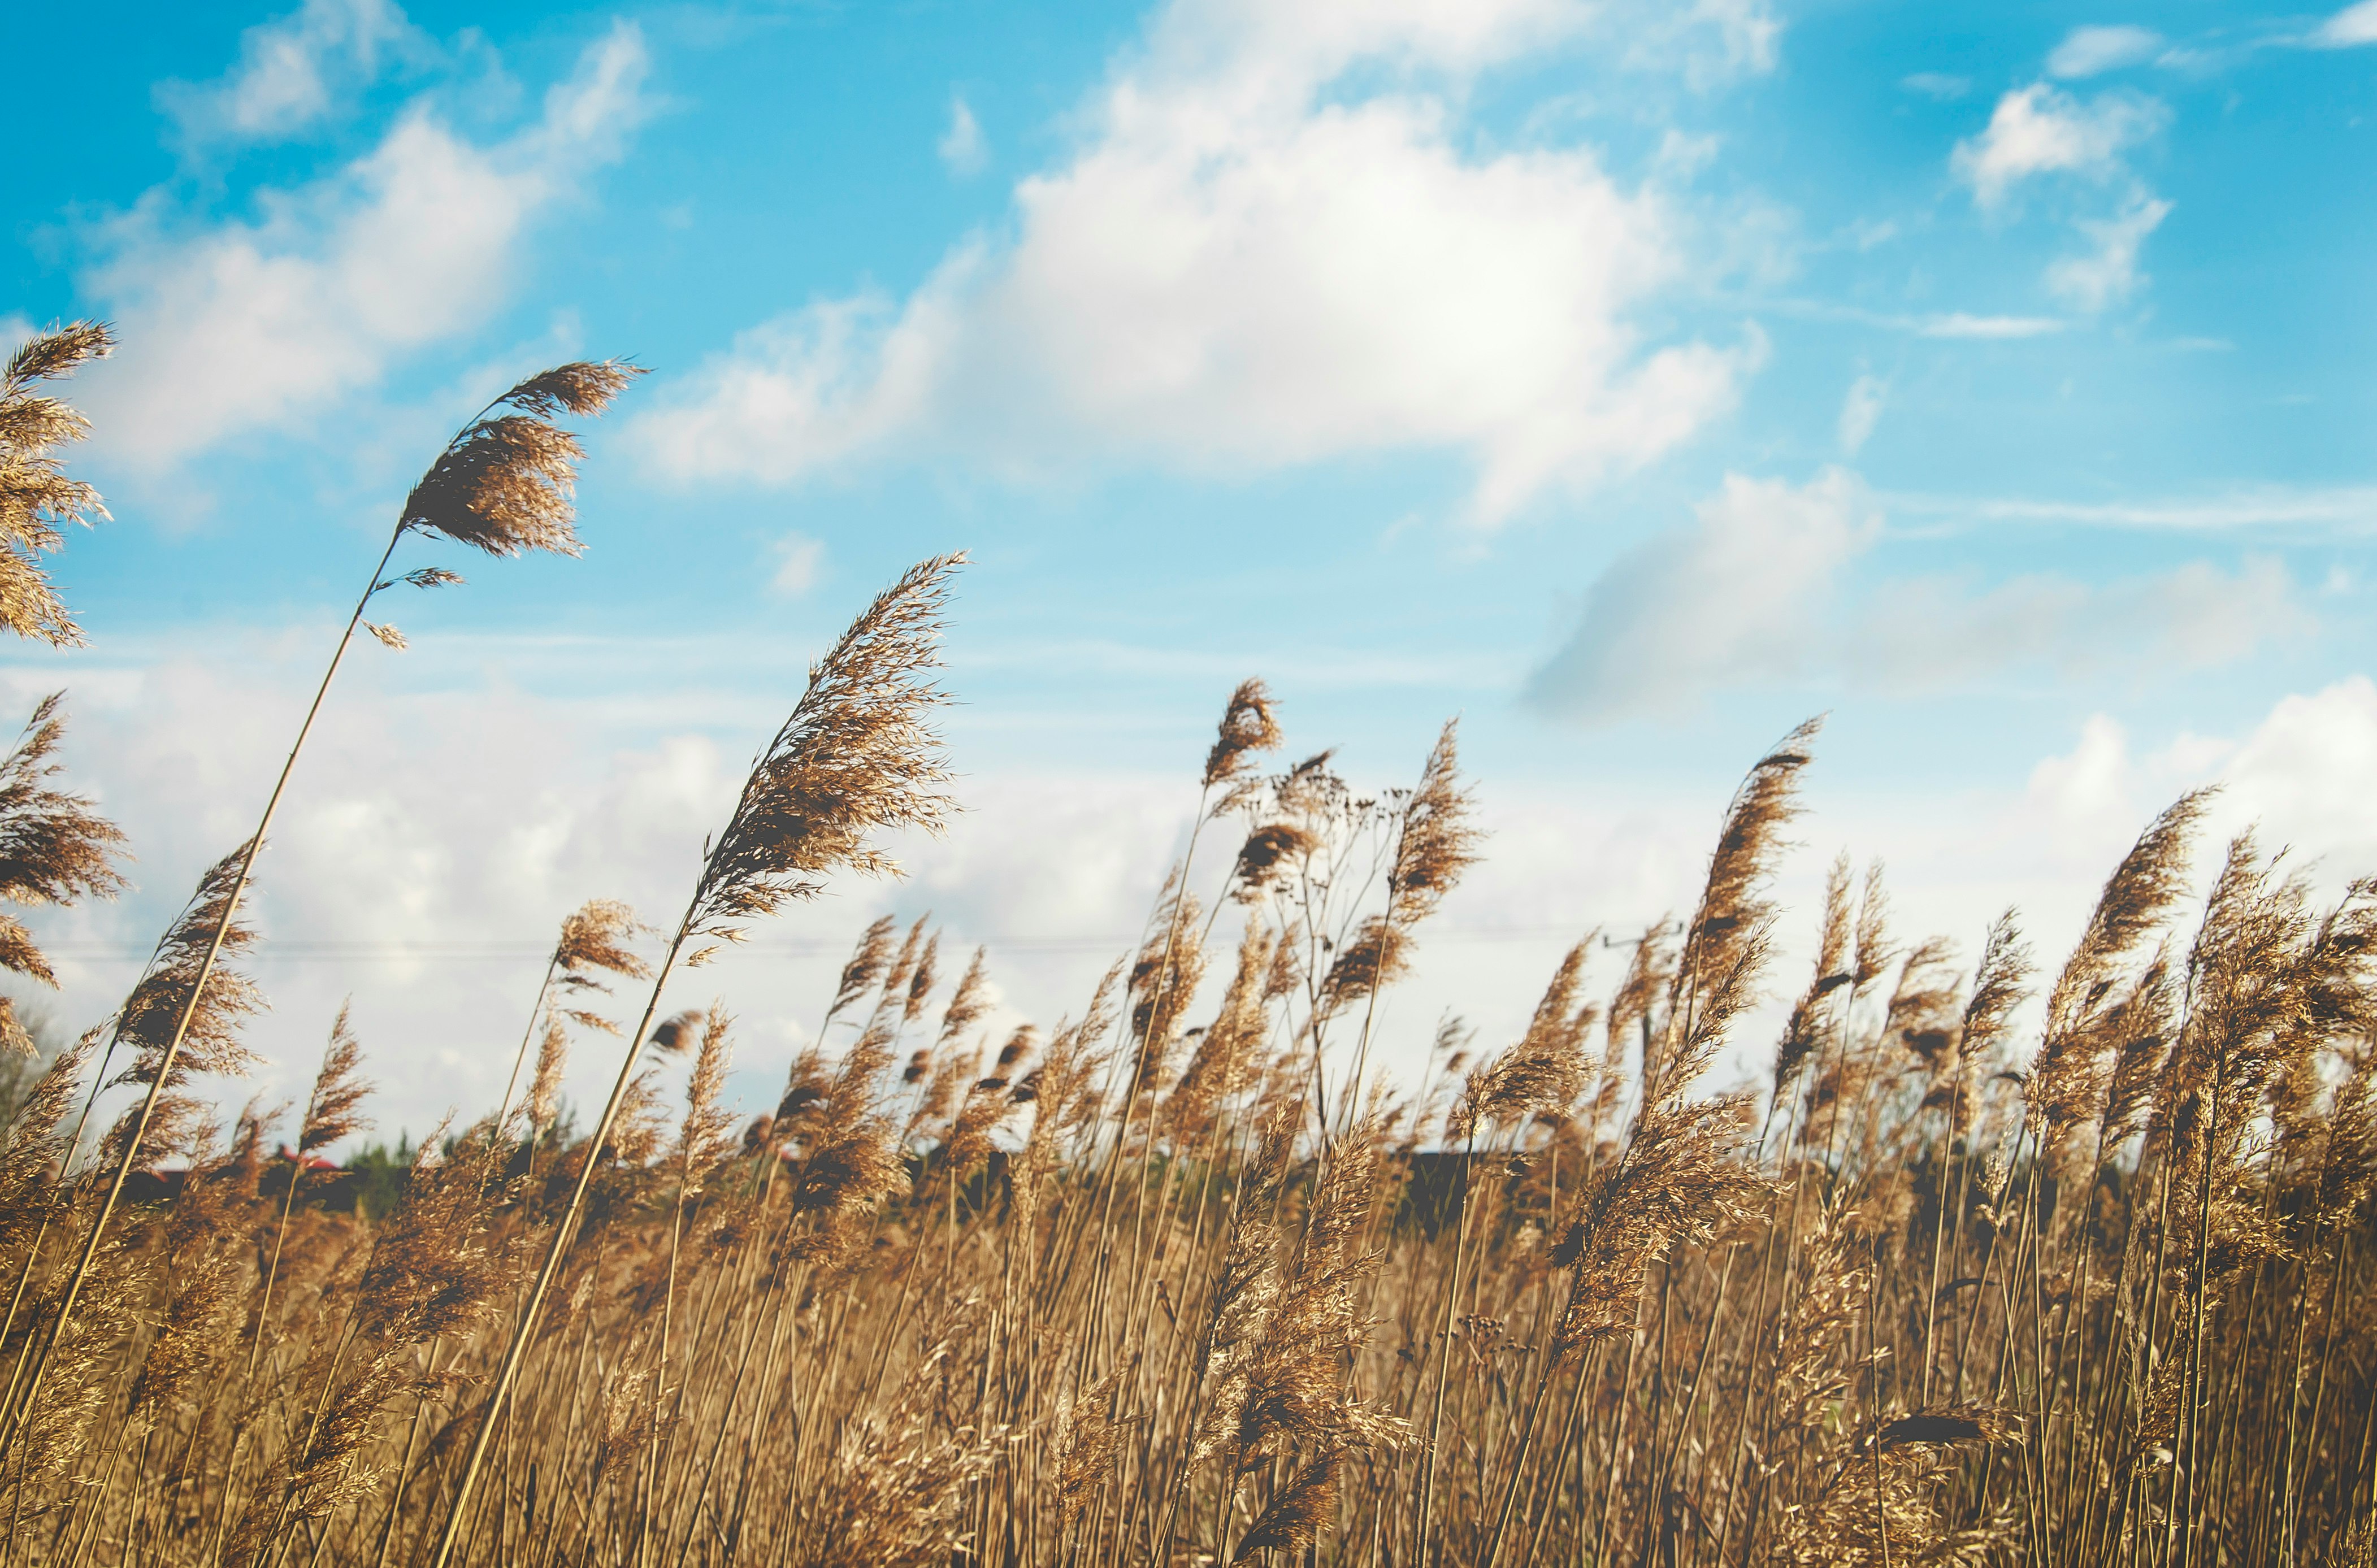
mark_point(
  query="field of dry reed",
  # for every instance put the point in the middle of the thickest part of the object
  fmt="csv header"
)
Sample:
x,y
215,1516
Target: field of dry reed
x,y
2000,1261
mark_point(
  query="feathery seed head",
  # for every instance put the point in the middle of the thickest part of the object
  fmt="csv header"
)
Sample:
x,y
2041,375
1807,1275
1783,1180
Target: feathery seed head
x,y
544,1089
504,484
1437,841
867,965
37,498
1248,725
211,1043
334,1109
54,850
857,757
969,1002
594,936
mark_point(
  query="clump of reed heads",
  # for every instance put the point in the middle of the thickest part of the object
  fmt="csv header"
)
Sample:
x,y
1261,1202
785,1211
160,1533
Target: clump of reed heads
x,y
978,1292
55,849
857,757
37,499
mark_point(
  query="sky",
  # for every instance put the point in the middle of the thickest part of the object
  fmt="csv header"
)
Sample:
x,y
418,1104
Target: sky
x,y
1631,381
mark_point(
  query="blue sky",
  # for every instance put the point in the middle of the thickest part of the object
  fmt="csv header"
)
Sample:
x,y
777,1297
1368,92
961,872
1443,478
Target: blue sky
x,y
1631,380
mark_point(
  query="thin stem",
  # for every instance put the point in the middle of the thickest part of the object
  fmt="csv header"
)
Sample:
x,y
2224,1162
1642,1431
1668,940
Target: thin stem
x,y
22,1410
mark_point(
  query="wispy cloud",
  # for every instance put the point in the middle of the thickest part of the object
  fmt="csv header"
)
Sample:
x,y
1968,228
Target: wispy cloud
x,y
292,70
2092,51
2109,273
962,146
1959,324
799,561
1938,85
1760,589
2347,509
1860,411
2041,131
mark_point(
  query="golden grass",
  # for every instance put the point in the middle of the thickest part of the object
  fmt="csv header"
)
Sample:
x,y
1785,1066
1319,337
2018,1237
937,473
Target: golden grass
x,y
1184,1279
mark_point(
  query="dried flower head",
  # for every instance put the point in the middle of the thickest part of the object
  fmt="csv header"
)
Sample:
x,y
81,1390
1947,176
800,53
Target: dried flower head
x,y
1548,1069
37,499
671,1037
2070,1078
211,1043
334,1109
1376,957
1223,1062
968,1003
857,757
1248,727
504,484
544,1089
1437,842
921,980
1266,857
1724,945
54,850
704,1137
868,963
594,937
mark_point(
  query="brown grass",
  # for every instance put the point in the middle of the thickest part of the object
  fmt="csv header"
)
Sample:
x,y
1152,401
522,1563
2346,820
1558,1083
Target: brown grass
x,y
1184,1280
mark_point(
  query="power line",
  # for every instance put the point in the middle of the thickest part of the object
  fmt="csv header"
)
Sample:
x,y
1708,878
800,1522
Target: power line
x,y
303,952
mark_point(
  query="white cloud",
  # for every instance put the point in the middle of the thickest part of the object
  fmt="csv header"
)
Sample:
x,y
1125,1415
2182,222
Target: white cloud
x,y
962,147
1860,411
1759,590
2349,509
2299,778
1925,633
291,70
1748,32
799,561
1956,324
1733,597
2092,51
2308,772
2109,274
1243,267
2352,26
1936,86
259,325
2042,130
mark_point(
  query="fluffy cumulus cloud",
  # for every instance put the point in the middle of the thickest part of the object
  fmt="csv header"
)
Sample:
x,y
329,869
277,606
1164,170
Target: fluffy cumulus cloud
x,y
1761,588
258,324
1274,246
2299,778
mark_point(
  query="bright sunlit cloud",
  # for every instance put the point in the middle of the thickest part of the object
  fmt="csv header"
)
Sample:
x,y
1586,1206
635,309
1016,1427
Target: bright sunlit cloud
x,y
1241,271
